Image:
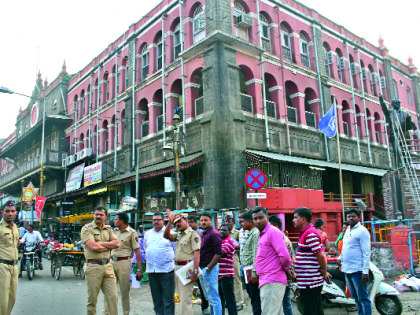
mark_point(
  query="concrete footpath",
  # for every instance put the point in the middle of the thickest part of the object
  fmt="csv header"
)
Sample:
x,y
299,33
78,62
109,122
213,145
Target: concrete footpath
x,y
67,296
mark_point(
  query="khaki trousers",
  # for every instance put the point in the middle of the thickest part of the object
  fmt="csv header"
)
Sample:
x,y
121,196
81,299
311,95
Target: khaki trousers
x,y
122,270
100,277
272,298
237,285
185,294
8,288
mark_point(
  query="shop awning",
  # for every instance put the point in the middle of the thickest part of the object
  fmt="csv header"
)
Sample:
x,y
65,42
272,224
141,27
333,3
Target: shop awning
x,y
98,191
75,218
317,163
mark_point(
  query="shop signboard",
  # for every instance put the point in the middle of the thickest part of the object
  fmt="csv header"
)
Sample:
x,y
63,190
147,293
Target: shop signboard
x,y
93,174
74,181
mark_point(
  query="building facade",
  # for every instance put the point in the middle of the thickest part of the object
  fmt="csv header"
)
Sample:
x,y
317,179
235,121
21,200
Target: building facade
x,y
250,81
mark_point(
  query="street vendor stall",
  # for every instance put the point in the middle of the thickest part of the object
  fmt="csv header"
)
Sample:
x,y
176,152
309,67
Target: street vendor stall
x,y
69,254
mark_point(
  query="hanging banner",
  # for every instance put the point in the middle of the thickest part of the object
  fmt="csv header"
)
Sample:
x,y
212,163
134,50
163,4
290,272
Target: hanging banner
x,y
39,205
92,174
74,180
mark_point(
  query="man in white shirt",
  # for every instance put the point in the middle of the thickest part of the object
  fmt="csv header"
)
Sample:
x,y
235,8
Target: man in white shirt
x,y
160,259
22,230
32,236
355,261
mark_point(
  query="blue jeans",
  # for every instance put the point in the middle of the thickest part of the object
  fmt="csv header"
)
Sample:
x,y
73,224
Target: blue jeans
x,y
254,295
287,304
210,284
359,293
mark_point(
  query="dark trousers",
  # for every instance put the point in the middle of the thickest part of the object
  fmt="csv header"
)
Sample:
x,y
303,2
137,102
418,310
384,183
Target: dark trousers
x,y
162,286
204,302
254,295
312,301
227,295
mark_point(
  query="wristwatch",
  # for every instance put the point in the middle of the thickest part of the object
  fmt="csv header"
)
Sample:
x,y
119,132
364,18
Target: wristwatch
x,y
195,271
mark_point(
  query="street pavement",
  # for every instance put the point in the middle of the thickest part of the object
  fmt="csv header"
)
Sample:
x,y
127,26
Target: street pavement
x,y
67,296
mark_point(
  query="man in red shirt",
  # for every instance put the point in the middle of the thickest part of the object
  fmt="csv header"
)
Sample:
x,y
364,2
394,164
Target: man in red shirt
x,y
227,272
310,263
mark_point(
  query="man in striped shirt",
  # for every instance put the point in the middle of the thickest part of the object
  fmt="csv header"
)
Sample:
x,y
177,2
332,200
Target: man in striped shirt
x,y
226,271
310,263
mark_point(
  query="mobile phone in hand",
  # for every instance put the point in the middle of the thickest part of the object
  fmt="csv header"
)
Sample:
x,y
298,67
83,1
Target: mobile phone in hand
x,y
328,280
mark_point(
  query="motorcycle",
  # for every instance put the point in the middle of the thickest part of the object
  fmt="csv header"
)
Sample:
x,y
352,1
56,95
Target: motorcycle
x,y
30,259
336,293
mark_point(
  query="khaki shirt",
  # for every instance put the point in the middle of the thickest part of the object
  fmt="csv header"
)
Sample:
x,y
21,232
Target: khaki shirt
x,y
129,241
9,239
234,234
187,242
91,231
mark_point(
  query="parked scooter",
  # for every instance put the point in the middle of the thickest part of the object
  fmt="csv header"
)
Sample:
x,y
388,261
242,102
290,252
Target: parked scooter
x,y
384,296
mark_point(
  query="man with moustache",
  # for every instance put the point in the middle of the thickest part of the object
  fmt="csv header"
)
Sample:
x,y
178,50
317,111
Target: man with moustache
x,y
98,240
160,267
210,253
121,259
9,238
188,244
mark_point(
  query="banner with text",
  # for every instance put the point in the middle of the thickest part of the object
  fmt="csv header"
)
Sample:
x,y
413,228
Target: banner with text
x,y
93,174
39,205
74,181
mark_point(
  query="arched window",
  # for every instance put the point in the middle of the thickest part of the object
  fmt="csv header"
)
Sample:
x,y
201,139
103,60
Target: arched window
x,y
304,51
199,24
239,23
144,62
341,65
159,56
373,77
285,41
353,70
177,40
409,100
265,33
395,87
364,74
328,59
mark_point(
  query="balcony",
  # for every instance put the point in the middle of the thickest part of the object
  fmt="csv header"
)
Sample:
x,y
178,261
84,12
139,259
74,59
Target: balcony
x,y
199,106
349,199
159,121
144,129
271,109
246,103
310,119
287,54
305,60
52,158
291,114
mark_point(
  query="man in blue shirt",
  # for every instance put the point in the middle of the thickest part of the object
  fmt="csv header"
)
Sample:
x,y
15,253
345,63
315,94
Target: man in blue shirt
x,y
355,261
160,257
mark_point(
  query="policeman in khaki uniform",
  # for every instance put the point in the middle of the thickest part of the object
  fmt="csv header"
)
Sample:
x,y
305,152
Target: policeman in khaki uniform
x,y
9,239
121,259
239,292
188,244
98,240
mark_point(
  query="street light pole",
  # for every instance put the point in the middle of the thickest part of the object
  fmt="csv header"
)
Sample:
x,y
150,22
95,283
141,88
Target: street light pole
x,y
176,152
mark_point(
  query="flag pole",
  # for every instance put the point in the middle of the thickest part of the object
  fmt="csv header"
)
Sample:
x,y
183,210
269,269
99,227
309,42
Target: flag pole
x,y
339,158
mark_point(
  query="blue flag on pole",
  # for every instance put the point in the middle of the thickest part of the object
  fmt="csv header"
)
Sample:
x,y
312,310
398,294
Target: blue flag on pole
x,y
327,123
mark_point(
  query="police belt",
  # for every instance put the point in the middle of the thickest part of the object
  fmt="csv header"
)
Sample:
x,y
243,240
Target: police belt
x,y
97,261
9,262
120,258
182,262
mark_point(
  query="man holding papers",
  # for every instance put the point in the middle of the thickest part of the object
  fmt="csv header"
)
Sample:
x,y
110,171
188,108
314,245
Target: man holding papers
x,y
188,243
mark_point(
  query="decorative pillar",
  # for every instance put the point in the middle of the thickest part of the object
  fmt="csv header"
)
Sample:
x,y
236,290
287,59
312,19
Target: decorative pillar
x,y
103,137
362,126
276,94
104,84
350,123
152,58
379,126
80,106
140,117
188,30
94,139
113,79
192,92
94,97
295,47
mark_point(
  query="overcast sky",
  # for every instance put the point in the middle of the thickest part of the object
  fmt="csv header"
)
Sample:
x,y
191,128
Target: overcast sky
x,y
77,31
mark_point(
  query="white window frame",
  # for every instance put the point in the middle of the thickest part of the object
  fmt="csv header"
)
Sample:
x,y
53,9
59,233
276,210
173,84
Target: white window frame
x,y
199,24
159,49
303,43
239,10
144,62
395,86
177,38
409,98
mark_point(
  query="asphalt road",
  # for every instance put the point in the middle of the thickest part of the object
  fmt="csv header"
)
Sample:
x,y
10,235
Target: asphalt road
x,y
67,296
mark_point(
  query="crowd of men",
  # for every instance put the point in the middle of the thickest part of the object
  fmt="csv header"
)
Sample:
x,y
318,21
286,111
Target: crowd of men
x,y
260,255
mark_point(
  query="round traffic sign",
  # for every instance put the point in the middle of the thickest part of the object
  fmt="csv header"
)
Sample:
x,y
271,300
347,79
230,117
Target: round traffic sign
x,y
255,179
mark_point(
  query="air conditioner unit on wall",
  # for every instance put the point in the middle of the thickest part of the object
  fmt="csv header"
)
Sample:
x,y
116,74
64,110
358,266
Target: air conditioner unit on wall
x,y
342,63
330,57
244,21
364,73
383,82
373,78
85,153
70,160
353,68
64,163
